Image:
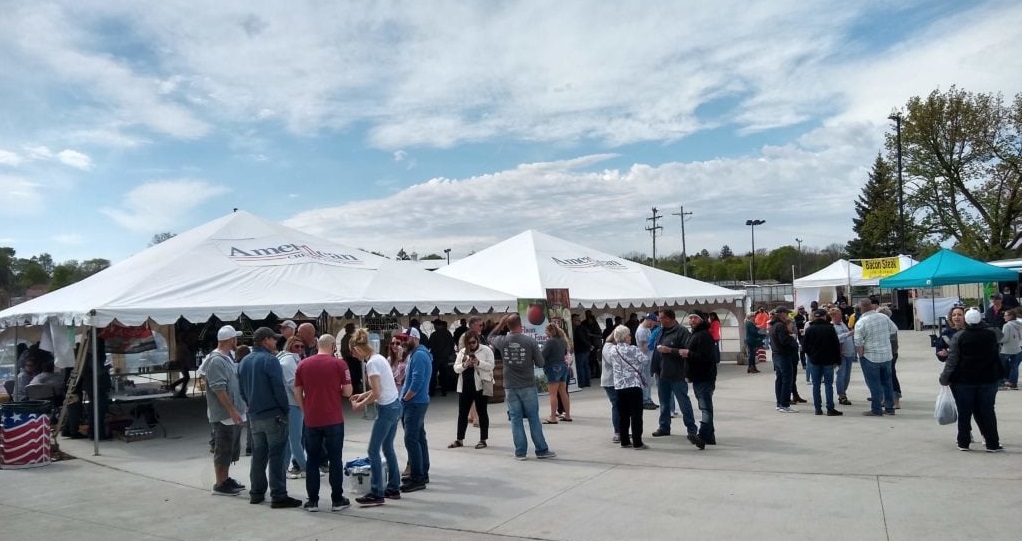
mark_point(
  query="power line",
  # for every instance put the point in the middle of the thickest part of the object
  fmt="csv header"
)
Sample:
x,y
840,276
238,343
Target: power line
x,y
653,229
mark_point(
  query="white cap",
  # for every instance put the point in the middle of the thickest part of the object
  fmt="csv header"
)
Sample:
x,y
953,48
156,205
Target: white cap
x,y
226,333
288,323
972,316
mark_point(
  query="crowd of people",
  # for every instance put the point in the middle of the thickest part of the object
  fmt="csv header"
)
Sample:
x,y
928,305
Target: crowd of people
x,y
291,400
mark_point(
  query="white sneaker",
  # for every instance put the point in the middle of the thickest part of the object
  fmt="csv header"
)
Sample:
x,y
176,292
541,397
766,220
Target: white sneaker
x,y
787,410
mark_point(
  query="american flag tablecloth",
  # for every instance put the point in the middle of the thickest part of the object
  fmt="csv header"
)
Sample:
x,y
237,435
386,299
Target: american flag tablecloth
x,y
25,440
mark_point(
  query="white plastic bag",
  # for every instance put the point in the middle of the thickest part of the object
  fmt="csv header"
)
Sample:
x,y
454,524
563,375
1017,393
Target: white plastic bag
x,y
946,411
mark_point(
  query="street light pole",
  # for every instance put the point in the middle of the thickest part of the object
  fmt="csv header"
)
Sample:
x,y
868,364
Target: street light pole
x,y
896,117
799,241
447,252
752,226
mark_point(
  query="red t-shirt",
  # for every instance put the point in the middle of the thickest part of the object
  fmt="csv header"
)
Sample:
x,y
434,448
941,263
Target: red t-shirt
x,y
322,378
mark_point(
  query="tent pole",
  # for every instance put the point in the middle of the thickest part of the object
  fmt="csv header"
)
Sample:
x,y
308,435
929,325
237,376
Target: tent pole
x,y
96,421
17,367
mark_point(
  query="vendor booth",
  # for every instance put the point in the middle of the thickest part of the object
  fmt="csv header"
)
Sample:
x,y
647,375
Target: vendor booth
x,y
821,286
243,265
945,268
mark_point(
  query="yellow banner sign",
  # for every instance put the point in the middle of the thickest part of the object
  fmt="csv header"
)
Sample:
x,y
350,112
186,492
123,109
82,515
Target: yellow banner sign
x,y
880,268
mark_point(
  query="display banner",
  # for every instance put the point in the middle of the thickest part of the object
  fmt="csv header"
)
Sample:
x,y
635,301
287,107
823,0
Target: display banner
x,y
536,314
880,267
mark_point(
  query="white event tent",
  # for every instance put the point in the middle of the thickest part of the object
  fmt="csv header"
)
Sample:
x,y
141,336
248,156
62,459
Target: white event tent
x,y
240,263
527,264
822,284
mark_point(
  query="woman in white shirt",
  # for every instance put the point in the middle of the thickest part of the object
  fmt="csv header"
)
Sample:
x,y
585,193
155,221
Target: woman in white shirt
x,y
626,363
474,366
382,391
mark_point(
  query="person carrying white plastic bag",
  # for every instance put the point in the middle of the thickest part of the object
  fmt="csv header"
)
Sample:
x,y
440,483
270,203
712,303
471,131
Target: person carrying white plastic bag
x,y
946,412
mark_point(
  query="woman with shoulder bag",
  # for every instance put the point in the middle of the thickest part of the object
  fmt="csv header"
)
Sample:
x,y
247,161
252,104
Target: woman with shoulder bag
x,y
474,366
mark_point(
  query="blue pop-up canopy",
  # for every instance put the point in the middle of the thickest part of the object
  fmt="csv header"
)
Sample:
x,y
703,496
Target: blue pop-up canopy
x,y
947,268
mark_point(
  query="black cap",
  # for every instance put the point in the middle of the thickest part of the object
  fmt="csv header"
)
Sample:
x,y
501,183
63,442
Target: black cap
x,y
262,333
819,312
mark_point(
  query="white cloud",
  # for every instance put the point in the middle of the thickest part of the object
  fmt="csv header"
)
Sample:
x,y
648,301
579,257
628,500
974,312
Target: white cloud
x,y
400,155
39,153
163,204
9,158
445,73
801,190
75,159
21,196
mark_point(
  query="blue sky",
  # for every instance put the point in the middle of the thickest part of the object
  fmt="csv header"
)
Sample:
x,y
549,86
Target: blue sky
x,y
432,125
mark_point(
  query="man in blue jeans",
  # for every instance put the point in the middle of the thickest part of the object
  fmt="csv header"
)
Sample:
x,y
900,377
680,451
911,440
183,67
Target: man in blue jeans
x,y
873,344
415,401
262,387
520,353
671,370
321,383
701,372
784,348
823,349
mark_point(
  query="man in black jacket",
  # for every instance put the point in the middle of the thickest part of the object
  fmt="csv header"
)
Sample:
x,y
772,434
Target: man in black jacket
x,y
784,348
823,350
702,374
672,340
582,346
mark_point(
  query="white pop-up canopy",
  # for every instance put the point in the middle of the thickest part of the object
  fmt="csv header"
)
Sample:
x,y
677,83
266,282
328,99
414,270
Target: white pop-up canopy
x,y
841,273
243,264
527,264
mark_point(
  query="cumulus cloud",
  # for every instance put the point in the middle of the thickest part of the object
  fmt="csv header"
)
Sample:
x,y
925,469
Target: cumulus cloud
x,y
444,73
9,158
75,159
21,196
607,207
163,204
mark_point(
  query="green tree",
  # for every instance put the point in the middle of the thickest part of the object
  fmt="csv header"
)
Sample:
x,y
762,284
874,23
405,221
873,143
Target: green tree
x,y
402,255
725,252
963,156
431,257
64,274
161,237
876,209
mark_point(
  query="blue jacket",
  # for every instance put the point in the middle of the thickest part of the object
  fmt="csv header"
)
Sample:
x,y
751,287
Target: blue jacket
x,y
262,385
420,368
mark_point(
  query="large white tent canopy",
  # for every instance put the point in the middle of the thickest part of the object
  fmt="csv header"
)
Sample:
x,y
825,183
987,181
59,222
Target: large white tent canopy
x,y
527,264
243,264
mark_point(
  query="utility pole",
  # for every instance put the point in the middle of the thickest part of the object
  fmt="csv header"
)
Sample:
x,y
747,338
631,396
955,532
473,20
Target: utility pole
x,y
799,241
684,254
653,231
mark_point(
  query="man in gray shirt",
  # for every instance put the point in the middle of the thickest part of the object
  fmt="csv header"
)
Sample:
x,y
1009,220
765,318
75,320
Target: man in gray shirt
x,y
521,354
224,407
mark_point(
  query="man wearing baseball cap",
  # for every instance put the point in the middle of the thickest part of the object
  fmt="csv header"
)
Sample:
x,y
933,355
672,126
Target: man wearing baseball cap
x,y
225,409
784,348
415,400
262,387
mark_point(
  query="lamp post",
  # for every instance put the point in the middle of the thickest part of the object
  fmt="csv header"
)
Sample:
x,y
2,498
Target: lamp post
x,y
799,241
896,117
447,252
752,226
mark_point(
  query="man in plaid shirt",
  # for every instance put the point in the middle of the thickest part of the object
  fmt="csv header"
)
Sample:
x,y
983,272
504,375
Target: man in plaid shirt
x,y
873,345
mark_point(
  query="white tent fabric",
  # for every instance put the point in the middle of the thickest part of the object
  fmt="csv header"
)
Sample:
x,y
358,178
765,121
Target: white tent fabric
x,y
839,273
527,264
243,264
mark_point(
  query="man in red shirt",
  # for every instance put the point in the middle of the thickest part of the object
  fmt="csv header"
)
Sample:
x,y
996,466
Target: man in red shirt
x,y
321,383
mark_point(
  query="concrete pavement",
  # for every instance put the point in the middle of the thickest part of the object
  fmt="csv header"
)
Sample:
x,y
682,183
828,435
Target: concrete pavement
x,y
772,476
